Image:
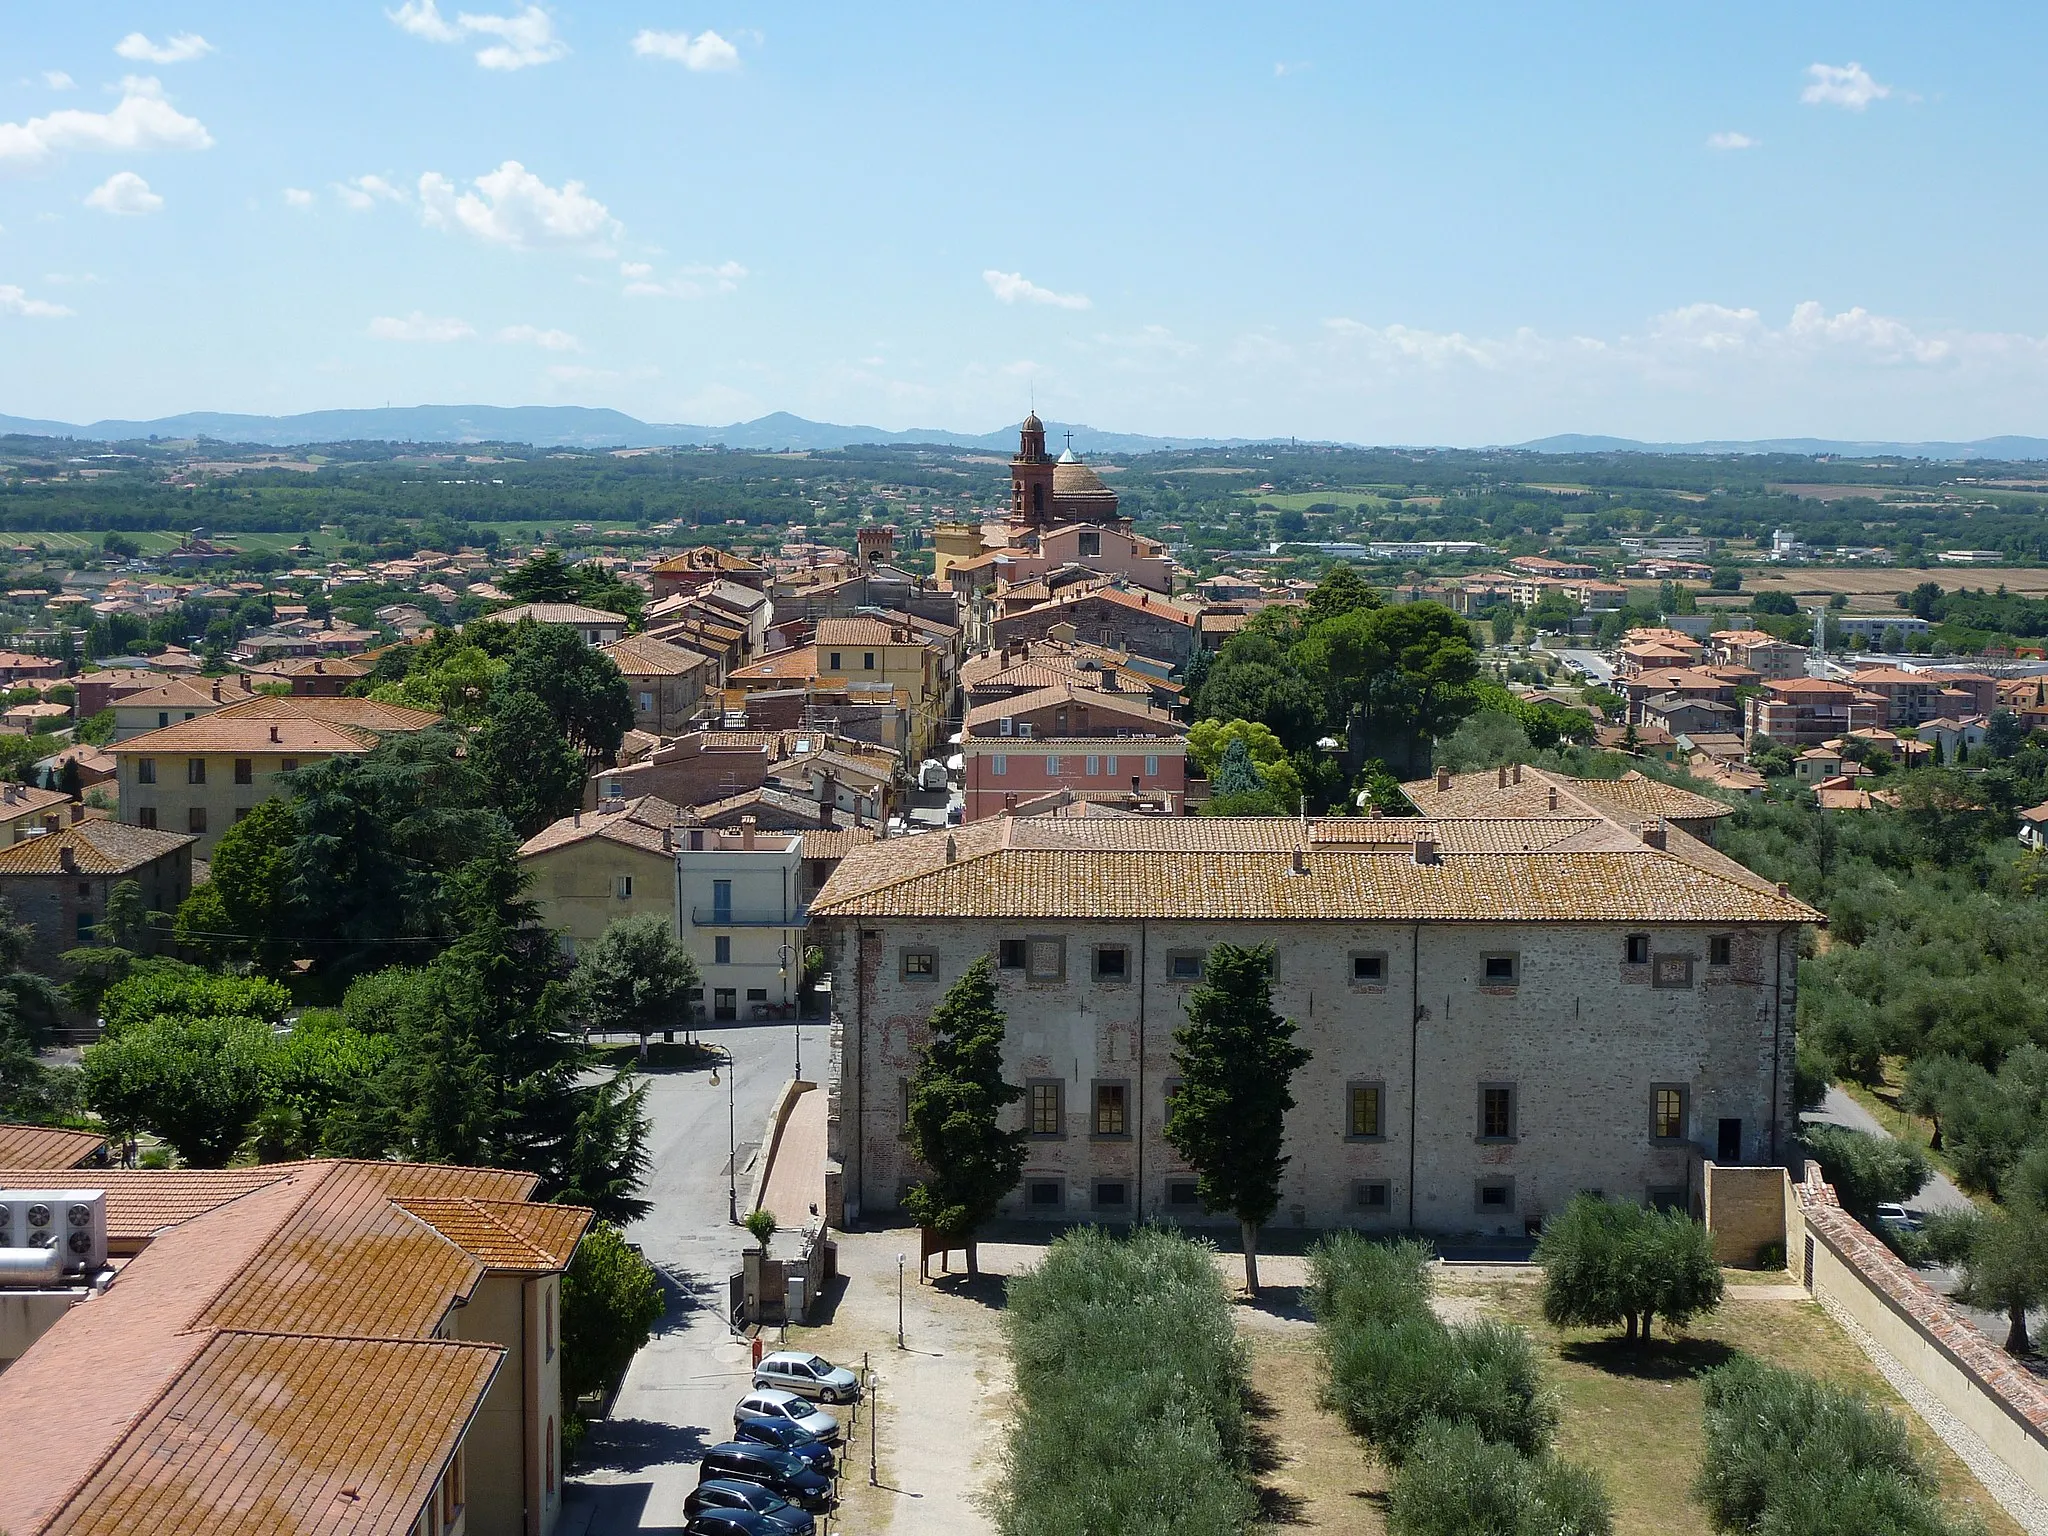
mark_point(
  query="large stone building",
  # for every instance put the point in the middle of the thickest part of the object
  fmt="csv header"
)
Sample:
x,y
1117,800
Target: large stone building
x,y
1502,1010
57,882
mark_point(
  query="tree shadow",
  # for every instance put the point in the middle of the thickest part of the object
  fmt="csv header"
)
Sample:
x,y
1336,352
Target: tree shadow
x,y
990,1291
636,1445
1263,1458
1678,1359
685,1296
663,1056
1283,1301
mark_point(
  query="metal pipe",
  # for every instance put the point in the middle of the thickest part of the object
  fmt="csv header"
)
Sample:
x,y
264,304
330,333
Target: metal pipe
x,y
31,1266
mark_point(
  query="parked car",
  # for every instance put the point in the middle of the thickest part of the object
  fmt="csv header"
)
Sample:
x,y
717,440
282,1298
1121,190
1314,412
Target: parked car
x,y
931,774
773,1513
785,1436
807,1376
774,1403
1897,1217
731,1522
780,1473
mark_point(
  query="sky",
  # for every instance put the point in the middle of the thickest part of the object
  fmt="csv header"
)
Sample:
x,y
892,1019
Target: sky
x,y
1452,224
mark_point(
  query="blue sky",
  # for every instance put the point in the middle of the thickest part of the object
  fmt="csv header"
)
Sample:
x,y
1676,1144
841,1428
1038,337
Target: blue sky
x,y
1378,223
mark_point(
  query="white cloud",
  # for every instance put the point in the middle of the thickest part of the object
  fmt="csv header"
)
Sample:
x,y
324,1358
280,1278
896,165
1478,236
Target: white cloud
x,y
297,197
141,120
126,193
512,206
179,48
1015,288
523,39
57,80
419,327
1731,141
363,193
13,301
1841,85
706,51
692,282
546,340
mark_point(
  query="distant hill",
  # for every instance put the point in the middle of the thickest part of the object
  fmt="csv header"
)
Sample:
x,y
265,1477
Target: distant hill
x,y
565,426
1982,448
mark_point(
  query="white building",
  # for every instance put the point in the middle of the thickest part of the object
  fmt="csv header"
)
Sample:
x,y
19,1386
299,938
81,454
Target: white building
x,y
739,912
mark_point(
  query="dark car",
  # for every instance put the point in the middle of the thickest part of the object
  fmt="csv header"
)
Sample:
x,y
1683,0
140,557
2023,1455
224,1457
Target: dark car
x,y
785,1436
730,1522
722,1496
777,1471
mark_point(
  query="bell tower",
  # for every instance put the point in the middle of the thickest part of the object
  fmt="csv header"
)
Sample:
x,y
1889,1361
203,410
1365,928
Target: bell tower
x,y
1031,476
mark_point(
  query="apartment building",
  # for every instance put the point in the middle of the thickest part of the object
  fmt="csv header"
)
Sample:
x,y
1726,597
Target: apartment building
x,y
174,701
363,1347
1764,654
1501,1011
739,906
594,626
1067,737
592,868
1110,616
665,682
1806,711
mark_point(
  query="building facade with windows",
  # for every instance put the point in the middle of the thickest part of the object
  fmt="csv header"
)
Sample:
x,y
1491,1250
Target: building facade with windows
x,y
592,868
1501,1010
739,907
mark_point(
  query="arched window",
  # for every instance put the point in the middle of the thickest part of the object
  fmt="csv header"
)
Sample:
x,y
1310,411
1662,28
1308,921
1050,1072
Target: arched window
x,y
1038,498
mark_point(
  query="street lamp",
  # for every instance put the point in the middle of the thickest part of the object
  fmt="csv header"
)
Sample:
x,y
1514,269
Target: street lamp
x,y
797,1014
732,1156
900,1260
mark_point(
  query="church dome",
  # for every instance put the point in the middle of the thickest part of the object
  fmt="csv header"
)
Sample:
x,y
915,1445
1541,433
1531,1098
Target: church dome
x,y
1078,494
1033,424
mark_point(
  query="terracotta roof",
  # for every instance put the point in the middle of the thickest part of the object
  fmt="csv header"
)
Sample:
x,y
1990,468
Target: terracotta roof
x,y
212,733
97,847
1145,602
19,800
1482,794
512,1235
642,823
798,662
643,656
835,842
318,666
557,613
361,714
187,693
1129,706
863,631
47,1146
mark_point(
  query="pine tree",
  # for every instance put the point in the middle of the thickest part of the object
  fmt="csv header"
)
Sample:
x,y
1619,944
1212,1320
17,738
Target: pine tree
x,y
957,1096
1236,1057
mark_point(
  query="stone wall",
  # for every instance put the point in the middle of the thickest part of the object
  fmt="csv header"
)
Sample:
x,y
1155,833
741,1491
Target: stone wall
x,y
1744,1210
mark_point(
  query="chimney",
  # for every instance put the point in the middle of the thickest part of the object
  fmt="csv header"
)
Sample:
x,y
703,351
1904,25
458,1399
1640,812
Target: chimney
x,y
1299,862
216,690
1518,773
77,813
1653,835
67,860
319,666
1553,797
274,736
1010,801
1443,781
1784,889
576,817
747,832
51,823
826,813
668,839
1501,775
1425,847
952,849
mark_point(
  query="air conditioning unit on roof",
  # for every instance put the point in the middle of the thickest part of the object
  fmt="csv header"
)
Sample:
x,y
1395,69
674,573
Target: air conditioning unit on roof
x,y
73,1221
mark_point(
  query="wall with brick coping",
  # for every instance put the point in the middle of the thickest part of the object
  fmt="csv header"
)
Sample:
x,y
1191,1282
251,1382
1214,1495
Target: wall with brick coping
x,y
1966,1373
1744,1210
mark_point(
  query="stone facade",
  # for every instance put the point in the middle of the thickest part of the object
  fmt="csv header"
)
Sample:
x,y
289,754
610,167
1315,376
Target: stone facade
x,y
1407,1031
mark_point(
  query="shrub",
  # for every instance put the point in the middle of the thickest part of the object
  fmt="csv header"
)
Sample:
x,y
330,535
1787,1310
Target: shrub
x,y
1610,1261
760,1224
1352,1279
1391,1381
1456,1483
1866,1170
1130,1384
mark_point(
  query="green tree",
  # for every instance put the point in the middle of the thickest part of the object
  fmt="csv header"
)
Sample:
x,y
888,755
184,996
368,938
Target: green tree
x,y
1867,1170
529,770
611,1300
1610,1261
635,979
580,685
957,1097
244,911
1342,590
1236,1058
29,1004
196,1082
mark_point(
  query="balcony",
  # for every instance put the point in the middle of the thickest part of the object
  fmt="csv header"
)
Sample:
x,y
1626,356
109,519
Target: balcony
x,y
749,917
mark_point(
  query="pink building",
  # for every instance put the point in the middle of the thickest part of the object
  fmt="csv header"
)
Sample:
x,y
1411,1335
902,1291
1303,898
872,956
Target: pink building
x,y
1067,737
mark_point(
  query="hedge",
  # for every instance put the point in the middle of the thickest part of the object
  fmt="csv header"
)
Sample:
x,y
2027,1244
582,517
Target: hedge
x,y
1456,1483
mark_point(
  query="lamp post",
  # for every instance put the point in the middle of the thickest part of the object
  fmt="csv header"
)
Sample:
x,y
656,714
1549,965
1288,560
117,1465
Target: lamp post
x,y
797,1027
732,1156
900,1258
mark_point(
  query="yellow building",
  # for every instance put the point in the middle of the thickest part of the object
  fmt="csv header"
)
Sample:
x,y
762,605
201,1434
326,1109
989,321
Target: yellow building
x,y
595,867
878,652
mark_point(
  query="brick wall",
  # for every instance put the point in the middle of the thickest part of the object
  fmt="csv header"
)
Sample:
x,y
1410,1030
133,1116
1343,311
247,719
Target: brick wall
x,y
1744,1209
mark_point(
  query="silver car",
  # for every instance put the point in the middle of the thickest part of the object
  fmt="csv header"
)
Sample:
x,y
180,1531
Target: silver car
x,y
807,1376
772,1403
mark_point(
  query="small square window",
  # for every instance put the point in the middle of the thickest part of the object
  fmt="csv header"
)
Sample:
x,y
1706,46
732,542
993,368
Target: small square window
x,y
1368,970
1184,965
1181,1195
1112,962
1046,1111
1112,1195
1667,1112
1639,949
1496,1112
1012,954
757,994
1503,970
1673,972
1721,949
625,887
1112,1102
288,765
1370,1196
920,963
1046,1194
721,949
1363,1103
145,770
1494,1197
146,817
1672,1198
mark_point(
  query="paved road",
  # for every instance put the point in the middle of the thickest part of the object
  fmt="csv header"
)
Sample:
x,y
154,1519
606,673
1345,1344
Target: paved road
x,y
1598,668
677,1398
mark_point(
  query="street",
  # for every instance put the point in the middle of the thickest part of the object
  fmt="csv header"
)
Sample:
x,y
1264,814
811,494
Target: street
x,y
638,1465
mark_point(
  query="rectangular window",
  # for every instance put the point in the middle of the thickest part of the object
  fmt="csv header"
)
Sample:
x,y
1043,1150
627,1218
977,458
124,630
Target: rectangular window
x,y
1671,971
245,771
1503,970
1370,1196
1046,1107
1112,1195
1112,962
1368,970
1091,543
1667,1112
1721,949
146,817
725,1003
195,819
1151,766
1638,949
85,927
288,765
1666,1199
1109,766
145,771
835,661
1048,960
241,811
195,770
1184,965
1094,768
998,763
867,661
1045,1194
721,949
625,887
1111,1101
1362,1111
721,901
1496,1112
919,964
1052,766
163,718
1007,726
1493,1197
1012,954
757,994
646,703
1180,1194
